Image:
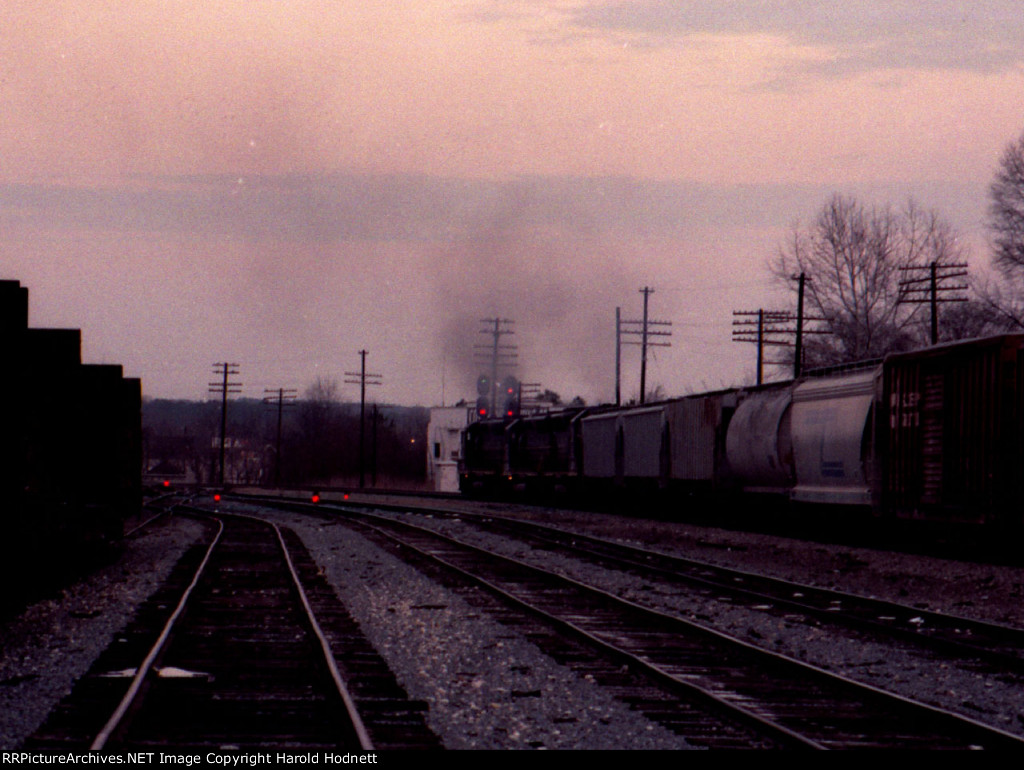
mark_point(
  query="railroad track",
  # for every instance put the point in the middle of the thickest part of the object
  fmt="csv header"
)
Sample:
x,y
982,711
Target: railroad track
x,y
244,647
997,648
777,701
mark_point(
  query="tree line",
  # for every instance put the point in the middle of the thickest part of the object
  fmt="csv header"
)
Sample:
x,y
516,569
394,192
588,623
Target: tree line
x,y
866,270
319,441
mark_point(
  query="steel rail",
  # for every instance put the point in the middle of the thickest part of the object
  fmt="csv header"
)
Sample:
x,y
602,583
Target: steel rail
x,y
143,671
868,690
741,713
944,632
365,742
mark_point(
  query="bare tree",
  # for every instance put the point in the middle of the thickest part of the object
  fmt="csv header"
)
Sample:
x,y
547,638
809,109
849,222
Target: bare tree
x,y
319,431
853,258
1006,211
1001,295
999,304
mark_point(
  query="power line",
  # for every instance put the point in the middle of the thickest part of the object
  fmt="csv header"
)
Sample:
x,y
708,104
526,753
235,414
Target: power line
x,y
643,329
913,292
285,397
224,387
771,328
362,379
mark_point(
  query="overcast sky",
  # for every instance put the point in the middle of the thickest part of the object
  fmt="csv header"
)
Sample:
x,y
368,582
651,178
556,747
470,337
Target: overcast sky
x,y
281,184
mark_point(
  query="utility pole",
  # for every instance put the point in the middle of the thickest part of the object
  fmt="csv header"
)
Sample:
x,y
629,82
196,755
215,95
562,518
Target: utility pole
x,y
773,328
646,291
798,353
497,356
912,292
374,417
284,398
769,324
527,398
362,379
800,331
644,330
618,356
225,371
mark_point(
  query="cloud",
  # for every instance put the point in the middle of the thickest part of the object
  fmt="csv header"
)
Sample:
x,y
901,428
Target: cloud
x,y
288,273
862,34
284,270
330,208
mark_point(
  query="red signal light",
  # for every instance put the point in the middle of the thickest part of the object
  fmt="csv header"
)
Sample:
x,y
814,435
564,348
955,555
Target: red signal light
x,y
346,496
315,498
216,498
167,484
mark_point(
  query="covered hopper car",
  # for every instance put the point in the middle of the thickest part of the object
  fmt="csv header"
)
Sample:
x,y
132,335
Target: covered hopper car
x,y
934,434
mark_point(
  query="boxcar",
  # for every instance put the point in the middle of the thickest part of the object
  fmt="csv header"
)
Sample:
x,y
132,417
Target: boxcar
x,y
626,447
644,447
696,439
600,435
953,432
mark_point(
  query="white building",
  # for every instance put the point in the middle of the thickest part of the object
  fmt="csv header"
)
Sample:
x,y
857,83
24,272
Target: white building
x,y
444,447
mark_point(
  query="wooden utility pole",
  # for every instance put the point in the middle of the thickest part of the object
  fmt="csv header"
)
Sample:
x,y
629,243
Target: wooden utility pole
x,y
362,379
773,328
798,353
645,332
763,328
935,282
618,356
283,397
224,387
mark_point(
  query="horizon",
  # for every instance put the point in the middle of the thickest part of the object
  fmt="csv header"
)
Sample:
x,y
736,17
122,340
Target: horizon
x,y
284,185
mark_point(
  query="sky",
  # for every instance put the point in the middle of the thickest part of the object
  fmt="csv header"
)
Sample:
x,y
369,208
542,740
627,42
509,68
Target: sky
x,y
283,184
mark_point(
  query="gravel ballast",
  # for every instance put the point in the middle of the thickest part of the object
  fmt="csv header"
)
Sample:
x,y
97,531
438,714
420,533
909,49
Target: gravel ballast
x,y
898,668
54,641
490,688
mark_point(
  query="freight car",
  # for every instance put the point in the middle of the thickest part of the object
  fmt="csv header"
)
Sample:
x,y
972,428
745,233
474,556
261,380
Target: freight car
x,y
934,434
951,432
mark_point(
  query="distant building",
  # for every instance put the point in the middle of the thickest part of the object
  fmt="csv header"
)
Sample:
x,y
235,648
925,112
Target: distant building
x,y
444,445
169,459
243,463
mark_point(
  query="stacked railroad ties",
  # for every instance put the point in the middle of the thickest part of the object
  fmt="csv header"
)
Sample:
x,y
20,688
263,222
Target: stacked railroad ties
x,y
70,459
